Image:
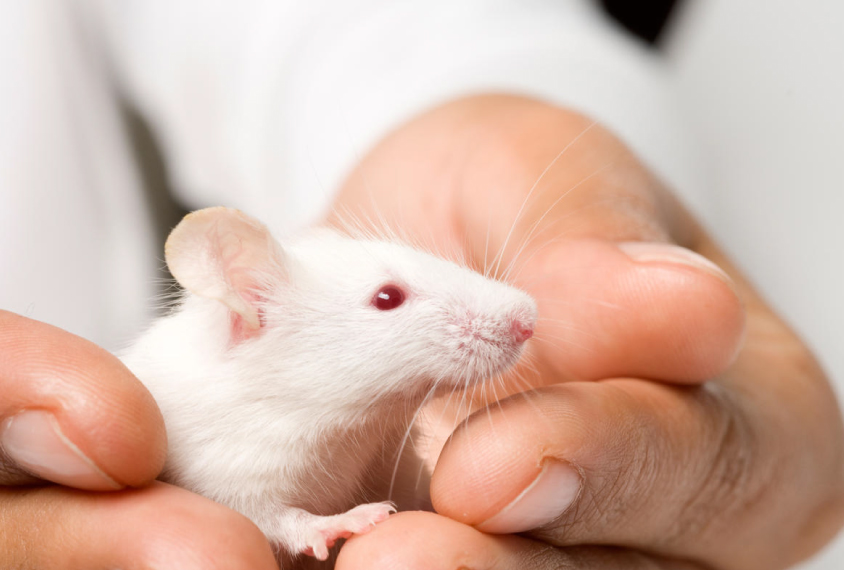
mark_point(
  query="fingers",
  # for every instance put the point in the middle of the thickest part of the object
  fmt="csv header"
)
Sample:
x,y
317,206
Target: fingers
x,y
71,413
651,310
667,470
425,541
159,526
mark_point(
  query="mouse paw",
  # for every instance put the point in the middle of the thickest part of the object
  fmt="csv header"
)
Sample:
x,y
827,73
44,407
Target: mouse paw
x,y
323,532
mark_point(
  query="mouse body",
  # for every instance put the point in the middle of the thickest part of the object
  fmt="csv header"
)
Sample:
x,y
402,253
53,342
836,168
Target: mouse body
x,y
285,368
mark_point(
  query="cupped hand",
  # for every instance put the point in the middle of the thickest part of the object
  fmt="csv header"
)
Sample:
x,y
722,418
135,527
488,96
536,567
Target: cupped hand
x,y
621,456
72,414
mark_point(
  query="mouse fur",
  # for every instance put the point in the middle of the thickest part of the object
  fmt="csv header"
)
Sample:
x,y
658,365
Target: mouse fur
x,y
279,379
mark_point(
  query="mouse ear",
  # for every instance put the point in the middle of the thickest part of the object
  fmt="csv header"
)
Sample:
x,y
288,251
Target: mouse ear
x,y
223,254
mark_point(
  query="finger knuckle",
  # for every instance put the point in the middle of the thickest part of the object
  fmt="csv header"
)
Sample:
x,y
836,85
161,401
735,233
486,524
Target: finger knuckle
x,y
730,478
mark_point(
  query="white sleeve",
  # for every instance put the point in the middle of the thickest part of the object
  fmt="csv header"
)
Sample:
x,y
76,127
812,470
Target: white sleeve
x,y
75,235
266,105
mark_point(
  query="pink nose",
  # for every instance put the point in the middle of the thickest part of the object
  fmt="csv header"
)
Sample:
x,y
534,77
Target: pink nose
x,y
522,330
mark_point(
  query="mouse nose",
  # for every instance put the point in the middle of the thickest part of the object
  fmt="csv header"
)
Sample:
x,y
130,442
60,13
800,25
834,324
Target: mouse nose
x,y
522,329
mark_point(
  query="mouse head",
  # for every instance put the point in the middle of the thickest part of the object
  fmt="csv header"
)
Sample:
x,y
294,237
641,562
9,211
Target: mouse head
x,y
389,318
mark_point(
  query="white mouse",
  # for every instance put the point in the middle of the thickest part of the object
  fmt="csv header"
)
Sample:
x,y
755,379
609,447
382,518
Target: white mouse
x,y
286,367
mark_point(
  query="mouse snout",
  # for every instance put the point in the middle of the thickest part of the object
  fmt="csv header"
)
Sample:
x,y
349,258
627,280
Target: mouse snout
x,y
487,343
522,328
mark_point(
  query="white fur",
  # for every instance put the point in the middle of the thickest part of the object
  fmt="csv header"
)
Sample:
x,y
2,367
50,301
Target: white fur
x,y
293,417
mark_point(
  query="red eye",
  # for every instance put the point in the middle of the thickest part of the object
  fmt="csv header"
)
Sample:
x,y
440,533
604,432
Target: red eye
x,y
388,297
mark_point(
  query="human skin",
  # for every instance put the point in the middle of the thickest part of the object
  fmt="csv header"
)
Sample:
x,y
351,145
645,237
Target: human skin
x,y
742,472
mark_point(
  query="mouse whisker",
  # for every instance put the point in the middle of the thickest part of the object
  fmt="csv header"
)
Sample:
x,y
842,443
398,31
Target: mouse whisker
x,y
565,341
522,208
406,437
538,222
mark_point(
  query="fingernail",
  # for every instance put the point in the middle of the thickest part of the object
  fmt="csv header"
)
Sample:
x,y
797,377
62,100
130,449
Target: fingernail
x,y
35,442
650,251
545,499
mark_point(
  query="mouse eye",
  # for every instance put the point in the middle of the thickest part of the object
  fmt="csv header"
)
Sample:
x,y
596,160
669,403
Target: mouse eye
x,y
388,297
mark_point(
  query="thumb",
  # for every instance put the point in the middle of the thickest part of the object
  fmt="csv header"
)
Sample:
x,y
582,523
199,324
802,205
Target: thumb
x,y
72,413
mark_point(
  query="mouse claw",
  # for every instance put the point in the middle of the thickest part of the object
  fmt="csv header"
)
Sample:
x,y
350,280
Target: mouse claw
x,y
325,531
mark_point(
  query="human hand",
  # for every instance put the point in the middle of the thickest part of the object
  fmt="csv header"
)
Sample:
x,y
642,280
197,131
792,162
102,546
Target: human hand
x,y
742,472
72,414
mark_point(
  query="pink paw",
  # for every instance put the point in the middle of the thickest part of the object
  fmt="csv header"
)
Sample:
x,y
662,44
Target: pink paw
x,y
325,531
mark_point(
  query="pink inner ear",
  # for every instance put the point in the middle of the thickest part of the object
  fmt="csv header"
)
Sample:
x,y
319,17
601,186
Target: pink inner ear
x,y
223,254
240,330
